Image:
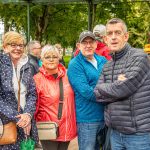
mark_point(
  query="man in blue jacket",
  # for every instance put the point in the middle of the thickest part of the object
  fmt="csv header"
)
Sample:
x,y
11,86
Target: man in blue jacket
x,y
83,73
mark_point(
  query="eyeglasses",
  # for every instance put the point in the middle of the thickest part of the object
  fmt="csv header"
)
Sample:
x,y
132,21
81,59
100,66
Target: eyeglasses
x,y
51,58
37,48
14,45
85,43
116,33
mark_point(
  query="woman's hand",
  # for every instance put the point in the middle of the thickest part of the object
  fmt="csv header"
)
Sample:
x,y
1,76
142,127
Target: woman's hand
x,y
27,129
24,120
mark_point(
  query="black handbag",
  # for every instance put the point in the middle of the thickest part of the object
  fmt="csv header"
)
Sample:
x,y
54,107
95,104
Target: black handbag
x,y
101,136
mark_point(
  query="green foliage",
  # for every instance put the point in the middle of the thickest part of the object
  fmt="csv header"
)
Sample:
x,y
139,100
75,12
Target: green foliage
x,y
135,14
67,60
63,23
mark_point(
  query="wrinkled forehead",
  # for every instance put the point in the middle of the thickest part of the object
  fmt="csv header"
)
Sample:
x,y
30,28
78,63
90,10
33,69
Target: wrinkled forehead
x,y
115,27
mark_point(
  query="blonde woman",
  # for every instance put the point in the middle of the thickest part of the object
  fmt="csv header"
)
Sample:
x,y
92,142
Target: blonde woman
x,y
15,71
47,85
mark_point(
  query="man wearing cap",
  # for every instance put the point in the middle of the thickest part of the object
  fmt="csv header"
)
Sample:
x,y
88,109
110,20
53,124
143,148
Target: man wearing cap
x,y
99,31
83,73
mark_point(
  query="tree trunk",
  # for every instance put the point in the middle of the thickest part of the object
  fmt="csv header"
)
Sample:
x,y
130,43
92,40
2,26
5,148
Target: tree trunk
x,y
42,24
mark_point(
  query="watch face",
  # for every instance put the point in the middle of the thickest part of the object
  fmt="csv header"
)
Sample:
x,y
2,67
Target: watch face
x,y
1,128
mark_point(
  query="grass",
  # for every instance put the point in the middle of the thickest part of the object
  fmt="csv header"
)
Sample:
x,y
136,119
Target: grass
x,y
67,59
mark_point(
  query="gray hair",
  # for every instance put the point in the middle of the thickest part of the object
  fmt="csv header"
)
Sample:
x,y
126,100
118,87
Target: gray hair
x,y
30,45
117,20
47,48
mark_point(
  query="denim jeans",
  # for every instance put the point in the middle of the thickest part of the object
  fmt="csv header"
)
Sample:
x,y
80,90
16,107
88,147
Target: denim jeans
x,y
137,141
87,135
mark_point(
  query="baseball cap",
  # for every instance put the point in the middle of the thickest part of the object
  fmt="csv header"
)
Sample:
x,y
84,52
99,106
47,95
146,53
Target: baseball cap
x,y
99,29
85,34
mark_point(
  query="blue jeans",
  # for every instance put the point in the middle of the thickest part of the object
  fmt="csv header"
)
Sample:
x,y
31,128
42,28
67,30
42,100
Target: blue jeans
x,y
87,135
137,141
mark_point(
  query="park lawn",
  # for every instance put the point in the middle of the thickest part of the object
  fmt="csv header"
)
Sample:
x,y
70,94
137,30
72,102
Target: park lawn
x,y
67,59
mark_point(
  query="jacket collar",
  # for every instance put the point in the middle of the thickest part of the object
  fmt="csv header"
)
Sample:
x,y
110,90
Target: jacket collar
x,y
5,59
61,72
120,54
33,57
83,58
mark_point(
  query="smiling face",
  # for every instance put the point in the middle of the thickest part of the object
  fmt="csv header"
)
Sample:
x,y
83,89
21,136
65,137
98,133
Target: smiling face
x,y
15,50
87,47
116,36
13,43
51,61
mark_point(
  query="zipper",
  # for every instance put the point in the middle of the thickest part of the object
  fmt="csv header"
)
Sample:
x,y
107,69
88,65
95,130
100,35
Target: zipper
x,y
113,66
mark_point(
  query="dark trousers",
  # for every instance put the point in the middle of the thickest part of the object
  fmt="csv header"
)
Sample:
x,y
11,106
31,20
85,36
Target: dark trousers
x,y
54,145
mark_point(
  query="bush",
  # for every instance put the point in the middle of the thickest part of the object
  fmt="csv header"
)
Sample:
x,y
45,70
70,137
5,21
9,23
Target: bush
x,y
67,59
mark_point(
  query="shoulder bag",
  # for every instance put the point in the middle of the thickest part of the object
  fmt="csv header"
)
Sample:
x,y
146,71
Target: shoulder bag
x,y
9,130
49,130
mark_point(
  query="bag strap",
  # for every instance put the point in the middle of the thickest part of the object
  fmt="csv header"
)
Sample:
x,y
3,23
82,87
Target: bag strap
x,y
61,98
19,88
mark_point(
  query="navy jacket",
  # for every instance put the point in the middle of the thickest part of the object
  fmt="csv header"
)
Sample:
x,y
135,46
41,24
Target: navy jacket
x,y
128,101
8,101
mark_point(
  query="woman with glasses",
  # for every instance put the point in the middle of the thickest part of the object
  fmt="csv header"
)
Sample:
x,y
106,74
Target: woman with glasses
x,y
17,89
48,103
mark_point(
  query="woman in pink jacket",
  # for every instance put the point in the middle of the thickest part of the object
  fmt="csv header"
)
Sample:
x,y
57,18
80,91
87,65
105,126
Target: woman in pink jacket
x,y
47,85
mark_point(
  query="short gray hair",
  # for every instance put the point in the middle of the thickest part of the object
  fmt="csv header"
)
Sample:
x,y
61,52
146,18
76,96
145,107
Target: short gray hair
x,y
117,20
31,43
47,48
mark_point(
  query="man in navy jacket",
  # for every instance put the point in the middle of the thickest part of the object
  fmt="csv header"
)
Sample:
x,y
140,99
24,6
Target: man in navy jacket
x,y
124,87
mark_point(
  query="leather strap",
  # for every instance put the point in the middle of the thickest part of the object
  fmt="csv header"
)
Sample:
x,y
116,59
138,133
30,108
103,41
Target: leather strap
x,y
19,88
61,98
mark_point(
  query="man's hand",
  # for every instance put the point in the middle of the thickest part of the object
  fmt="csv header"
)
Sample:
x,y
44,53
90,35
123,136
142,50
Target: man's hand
x,y
121,77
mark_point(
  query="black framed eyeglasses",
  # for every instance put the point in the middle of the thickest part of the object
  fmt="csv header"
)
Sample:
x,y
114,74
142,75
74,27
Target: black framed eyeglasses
x,y
14,45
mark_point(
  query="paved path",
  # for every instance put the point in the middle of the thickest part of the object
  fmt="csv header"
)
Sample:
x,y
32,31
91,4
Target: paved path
x,y
73,145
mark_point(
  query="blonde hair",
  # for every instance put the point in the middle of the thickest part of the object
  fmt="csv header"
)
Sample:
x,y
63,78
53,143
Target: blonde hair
x,y
12,37
47,48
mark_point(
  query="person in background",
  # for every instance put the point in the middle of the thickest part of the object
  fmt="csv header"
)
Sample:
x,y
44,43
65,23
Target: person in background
x,y
101,49
100,32
61,59
124,88
34,50
83,73
15,72
48,90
